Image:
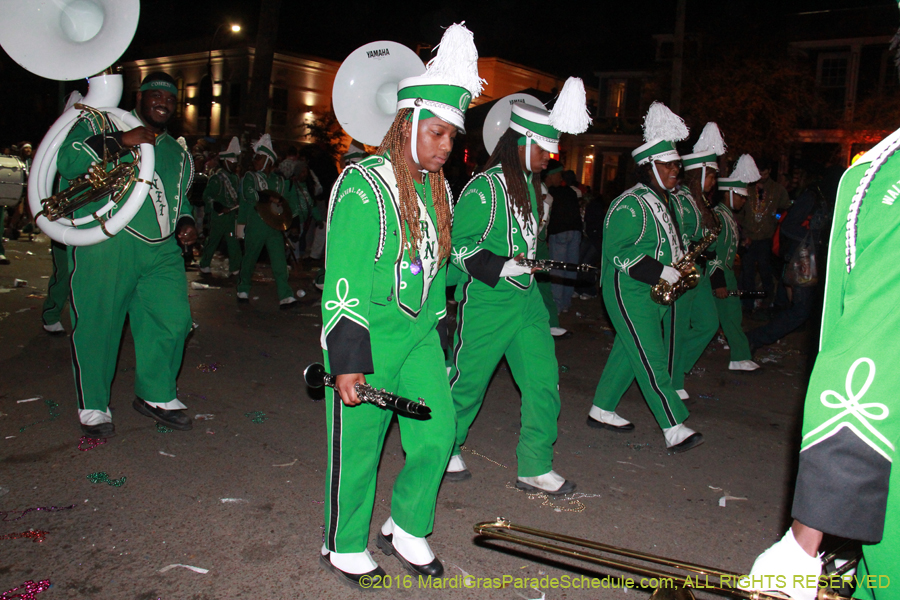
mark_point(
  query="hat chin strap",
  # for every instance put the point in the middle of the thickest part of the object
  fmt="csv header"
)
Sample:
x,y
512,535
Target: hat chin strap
x,y
414,138
528,154
731,199
658,180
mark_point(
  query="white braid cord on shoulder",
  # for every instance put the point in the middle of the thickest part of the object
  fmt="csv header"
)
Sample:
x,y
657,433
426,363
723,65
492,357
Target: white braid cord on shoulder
x,y
379,201
856,202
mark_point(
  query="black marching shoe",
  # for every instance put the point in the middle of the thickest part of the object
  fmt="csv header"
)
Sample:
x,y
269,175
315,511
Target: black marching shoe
x,y
362,581
176,419
592,422
692,441
432,569
99,431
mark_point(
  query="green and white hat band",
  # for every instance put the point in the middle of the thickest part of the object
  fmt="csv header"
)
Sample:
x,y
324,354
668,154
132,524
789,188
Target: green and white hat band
x,y
657,150
698,160
449,102
534,123
264,147
731,184
233,150
159,84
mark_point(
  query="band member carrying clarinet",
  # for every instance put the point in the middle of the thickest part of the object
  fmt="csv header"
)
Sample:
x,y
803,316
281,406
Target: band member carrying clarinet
x,y
640,243
501,311
223,198
384,319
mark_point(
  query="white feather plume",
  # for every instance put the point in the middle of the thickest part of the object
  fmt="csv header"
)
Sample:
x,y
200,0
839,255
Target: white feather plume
x,y
662,124
456,61
570,113
710,140
265,141
745,170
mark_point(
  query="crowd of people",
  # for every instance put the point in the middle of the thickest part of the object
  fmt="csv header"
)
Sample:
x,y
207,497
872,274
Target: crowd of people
x,y
675,254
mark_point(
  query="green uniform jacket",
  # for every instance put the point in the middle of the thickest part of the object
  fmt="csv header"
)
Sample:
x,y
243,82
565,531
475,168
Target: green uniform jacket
x,y
690,219
726,246
484,237
366,264
253,182
224,189
166,203
640,237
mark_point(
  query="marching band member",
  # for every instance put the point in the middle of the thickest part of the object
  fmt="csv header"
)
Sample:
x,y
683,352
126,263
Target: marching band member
x,y
258,233
640,241
222,197
384,316
500,309
846,485
696,321
721,270
138,273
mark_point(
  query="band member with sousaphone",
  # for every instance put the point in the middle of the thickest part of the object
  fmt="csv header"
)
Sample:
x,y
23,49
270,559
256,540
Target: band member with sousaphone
x,y
695,319
223,196
721,270
501,311
640,243
138,272
383,303
268,204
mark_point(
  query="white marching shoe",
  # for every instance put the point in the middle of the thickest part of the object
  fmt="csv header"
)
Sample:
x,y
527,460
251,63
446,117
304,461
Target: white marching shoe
x,y
782,563
205,270
55,328
681,438
457,469
351,567
550,483
288,302
243,297
683,394
607,419
742,365
413,552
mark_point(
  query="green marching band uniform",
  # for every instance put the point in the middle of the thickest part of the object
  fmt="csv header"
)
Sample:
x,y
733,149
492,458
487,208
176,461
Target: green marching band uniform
x,y
138,273
722,267
696,321
223,198
500,309
846,485
258,234
384,316
640,239
57,290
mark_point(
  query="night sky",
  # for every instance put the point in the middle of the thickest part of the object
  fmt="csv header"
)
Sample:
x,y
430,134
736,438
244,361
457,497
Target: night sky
x,y
558,36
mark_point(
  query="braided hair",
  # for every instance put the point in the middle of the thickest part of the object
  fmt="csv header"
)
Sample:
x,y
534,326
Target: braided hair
x,y
392,146
507,155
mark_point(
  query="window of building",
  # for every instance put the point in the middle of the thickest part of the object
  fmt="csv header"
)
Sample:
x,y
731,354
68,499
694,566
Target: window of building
x,y
832,72
279,106
615,101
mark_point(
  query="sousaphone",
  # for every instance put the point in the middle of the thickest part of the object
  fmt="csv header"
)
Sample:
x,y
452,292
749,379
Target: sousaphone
x,y
364,95
497,121
67,40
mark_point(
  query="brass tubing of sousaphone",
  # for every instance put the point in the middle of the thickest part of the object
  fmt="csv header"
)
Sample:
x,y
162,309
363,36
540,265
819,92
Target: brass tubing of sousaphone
x,y
497,530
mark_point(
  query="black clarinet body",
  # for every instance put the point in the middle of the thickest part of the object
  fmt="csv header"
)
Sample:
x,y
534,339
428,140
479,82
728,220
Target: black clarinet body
x,y
316,377
547,264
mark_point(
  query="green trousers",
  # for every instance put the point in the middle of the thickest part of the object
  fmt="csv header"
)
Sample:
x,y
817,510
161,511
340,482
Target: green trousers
x,y
258,236
730,317
491,323
696,323
58,286
639,352
222,226
407,361
125,276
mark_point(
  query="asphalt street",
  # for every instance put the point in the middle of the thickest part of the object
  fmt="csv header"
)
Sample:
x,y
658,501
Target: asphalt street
x,y
236,503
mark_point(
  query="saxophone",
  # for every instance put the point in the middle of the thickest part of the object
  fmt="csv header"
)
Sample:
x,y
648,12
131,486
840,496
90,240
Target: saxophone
x,y
667,293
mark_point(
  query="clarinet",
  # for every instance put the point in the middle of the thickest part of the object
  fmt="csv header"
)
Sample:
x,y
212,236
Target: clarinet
x,y
546,265
315,377
746,294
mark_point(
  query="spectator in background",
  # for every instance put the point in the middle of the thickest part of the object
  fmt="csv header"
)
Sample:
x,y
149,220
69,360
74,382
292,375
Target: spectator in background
x,y
593,212
564,233
758,220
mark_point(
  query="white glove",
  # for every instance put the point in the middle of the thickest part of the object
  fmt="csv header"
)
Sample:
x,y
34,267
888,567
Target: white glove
x,y
511,268
239,231
670,274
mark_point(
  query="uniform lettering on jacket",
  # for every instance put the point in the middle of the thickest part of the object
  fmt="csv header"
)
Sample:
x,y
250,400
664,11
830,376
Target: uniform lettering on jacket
x,y
158,197
892,194
428,242
628,208
356,191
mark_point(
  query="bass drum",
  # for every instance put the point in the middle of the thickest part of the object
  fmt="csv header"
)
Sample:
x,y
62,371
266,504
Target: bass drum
x,y
13,175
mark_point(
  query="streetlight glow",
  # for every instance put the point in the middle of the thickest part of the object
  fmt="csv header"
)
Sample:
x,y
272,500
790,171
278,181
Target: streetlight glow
x,y
235,27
